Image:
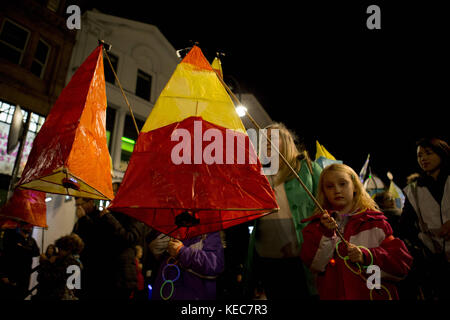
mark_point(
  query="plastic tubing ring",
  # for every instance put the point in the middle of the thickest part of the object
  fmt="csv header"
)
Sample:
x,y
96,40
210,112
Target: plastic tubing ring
x,y
370,254
337,251
351,269
346,258
385,289
174,261
164,271
171,290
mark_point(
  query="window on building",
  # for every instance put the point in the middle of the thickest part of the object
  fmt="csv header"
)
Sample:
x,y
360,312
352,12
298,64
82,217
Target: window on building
x,y
36,122
143,85
129,139
6,114
13,41
110,119
40,58
109,75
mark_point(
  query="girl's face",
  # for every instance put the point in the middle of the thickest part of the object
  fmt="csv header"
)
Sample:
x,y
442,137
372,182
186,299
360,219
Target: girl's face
x,y
339,190
428,160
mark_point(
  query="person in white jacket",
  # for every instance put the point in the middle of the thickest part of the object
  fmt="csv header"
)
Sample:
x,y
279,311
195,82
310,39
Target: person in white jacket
x,y
425,221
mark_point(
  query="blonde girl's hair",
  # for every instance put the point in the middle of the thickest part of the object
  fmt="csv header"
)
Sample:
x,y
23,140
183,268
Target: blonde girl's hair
x,y
361,199
292,151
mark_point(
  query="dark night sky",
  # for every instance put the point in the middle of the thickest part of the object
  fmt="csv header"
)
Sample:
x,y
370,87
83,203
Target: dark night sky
x,y
317,68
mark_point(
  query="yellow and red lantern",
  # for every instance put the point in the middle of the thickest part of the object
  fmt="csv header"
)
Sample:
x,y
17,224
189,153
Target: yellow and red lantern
x,y
194,169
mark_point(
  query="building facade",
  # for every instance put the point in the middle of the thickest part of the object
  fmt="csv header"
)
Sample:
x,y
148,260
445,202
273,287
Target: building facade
x,y
35,49
256,110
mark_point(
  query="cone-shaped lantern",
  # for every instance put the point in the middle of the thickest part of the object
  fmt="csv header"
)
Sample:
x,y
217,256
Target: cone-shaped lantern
x,y
193,169
323,157
26,206
217,67
70,154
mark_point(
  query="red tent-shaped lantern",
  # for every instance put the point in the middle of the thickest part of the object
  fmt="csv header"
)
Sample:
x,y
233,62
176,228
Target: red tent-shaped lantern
x,y
25,206
193,169
70,154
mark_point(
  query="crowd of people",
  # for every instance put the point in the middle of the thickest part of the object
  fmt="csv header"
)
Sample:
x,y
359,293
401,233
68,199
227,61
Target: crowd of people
x,y
300,252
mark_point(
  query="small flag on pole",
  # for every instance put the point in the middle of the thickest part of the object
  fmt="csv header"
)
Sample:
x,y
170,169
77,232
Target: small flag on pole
x,y
363,172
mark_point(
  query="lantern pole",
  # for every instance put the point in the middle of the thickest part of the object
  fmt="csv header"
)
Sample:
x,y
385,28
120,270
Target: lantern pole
x,y
322,210
103,44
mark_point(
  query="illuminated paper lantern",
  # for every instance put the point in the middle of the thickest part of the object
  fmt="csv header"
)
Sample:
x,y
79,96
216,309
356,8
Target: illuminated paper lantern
x,y
70,154
26,206
194,169
323,157
217,67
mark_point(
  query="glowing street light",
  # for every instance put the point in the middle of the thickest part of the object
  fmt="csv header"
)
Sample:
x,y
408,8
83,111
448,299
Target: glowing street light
x,y
241,111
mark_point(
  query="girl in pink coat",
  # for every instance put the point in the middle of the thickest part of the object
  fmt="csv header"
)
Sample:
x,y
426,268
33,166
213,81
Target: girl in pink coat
x,y
341,269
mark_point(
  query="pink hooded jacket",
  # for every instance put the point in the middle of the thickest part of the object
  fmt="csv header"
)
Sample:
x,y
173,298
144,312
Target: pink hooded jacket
x,y
335,280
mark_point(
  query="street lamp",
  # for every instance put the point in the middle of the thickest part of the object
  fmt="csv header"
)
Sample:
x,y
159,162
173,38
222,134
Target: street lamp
x,y
241,111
